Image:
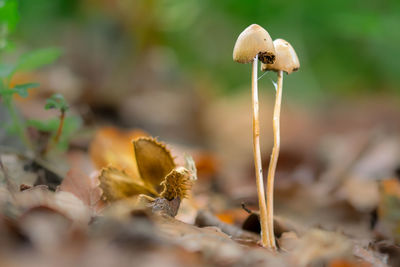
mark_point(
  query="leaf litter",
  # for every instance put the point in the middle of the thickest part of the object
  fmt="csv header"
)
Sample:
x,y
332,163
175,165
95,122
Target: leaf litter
x,y
123,204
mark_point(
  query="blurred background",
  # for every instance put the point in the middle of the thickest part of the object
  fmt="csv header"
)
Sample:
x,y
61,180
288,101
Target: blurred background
x,y
165,66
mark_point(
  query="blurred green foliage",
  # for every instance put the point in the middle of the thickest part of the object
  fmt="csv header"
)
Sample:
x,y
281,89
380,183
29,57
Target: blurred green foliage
x,y
345,46
9,16
8,20
71,125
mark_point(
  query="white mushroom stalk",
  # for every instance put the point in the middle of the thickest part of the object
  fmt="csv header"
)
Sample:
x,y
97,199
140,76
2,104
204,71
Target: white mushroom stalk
x,y
274,156
265,234
286,61
254,44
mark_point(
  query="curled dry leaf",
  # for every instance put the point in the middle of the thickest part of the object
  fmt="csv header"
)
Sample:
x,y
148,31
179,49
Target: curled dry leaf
x,y
176,184
156,176
154,161
117,184
111,146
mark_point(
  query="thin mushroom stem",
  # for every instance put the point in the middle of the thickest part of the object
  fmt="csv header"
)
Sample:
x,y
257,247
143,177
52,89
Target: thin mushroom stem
x,y
274,159
265,235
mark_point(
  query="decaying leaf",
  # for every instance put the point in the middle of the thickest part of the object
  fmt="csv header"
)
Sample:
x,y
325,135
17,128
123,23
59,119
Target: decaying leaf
x,y
112,146
176,184
82,186
154,161
319,247
117,184
165,206
61,202
156,177
205,218
362,194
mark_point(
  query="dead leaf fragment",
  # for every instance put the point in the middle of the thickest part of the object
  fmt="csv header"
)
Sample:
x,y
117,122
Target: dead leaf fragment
x,y
64,203
117,184
112,146
154,161
157,178
362,194
82,186
318,246
288,241
176,184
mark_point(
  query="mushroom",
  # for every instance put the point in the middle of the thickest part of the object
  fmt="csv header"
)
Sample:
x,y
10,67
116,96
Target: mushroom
x,y
286,58
254,44
286,61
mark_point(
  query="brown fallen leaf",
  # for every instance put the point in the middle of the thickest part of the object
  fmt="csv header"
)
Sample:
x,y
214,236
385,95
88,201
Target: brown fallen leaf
x,y
64,203
117,184
154,161
112,146
82,186
45,228
288,241
374,258
362,194
319,247
206,218
158,177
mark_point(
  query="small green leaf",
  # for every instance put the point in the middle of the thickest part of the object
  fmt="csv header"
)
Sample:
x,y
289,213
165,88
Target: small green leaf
x,y
56,101
44,125
22,89
38,58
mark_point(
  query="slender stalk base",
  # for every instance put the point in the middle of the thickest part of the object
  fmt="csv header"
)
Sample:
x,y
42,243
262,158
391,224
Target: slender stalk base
x,y
60,127
265,235
274,159
56,139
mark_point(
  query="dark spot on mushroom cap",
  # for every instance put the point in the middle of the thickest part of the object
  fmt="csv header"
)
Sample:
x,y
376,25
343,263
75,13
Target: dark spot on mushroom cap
x,y
266,57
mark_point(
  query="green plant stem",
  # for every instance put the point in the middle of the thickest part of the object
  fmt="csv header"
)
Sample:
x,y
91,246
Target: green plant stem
x,y
265,235
56,138
274,157
60,127
17,121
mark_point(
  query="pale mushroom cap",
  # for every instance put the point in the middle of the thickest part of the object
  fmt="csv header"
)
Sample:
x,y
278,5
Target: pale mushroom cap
x,y
286,58
254,40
